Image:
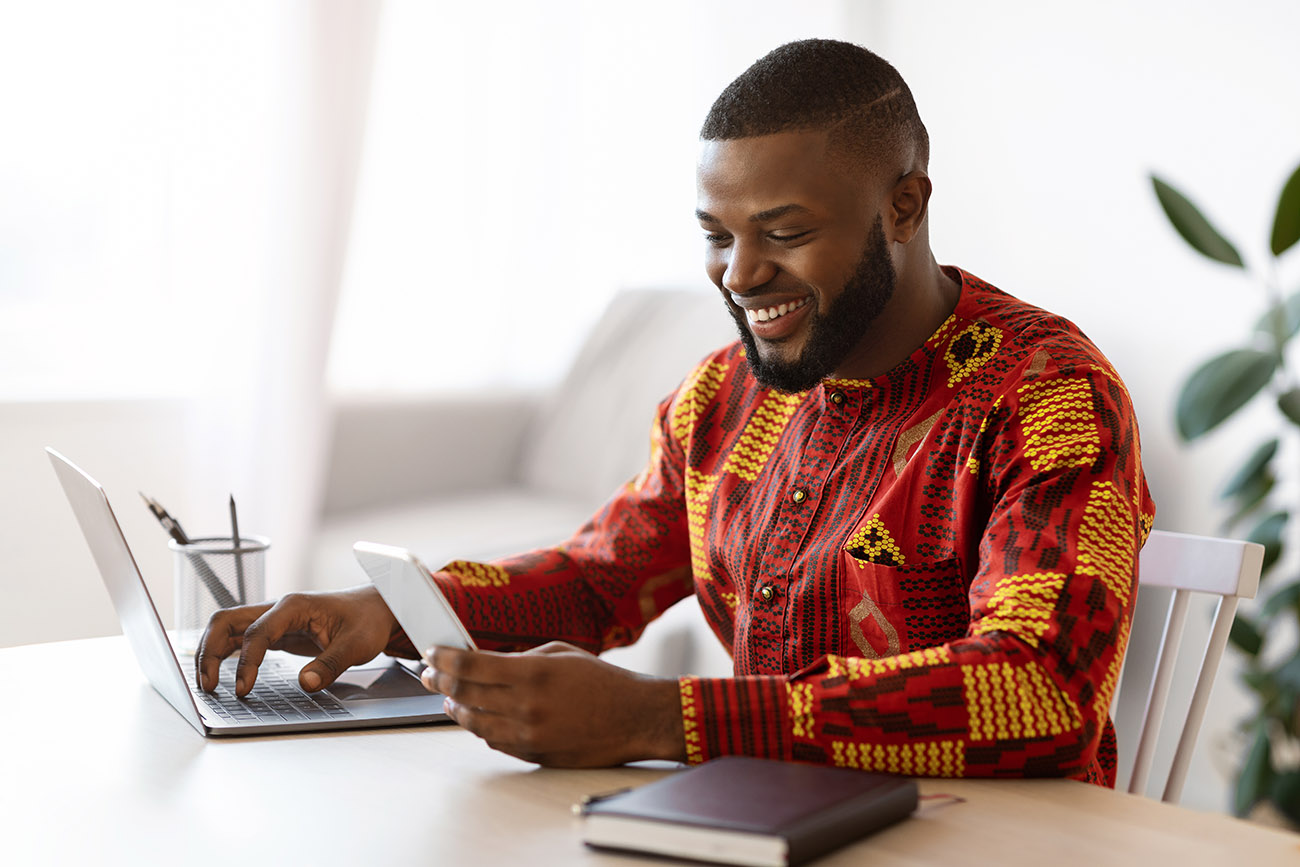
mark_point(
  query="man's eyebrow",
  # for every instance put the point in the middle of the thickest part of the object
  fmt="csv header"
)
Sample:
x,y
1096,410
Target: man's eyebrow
x,y
762,216
778,212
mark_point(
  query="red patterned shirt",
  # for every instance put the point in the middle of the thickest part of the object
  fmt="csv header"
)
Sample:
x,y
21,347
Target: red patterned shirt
x,y
930,573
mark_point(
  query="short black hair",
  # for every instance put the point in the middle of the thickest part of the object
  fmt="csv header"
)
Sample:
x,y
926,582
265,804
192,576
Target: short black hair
x,y
825,84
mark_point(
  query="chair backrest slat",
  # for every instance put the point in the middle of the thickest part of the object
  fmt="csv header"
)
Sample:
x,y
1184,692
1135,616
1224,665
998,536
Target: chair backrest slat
x,y
1186,564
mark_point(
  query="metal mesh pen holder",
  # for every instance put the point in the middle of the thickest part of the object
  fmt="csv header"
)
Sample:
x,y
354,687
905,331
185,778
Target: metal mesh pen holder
x,y
209,575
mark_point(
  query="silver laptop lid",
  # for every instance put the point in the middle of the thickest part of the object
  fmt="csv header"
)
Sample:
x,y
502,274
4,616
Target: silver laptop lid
x,y
135,609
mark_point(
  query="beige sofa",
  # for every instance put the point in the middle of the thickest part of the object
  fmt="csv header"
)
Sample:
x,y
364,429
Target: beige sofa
x,y
480,476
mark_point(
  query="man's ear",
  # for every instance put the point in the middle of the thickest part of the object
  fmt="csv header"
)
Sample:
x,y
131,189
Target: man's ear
x,y
908,202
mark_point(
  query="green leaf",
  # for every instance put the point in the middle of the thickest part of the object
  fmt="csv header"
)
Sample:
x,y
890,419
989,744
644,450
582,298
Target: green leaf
x,y
1193,226
1285,313
1288,675
1220,387
1284,598
1289,403
1249,500
1245,636
1268,533
1253,471
1286,223
1256,777
1287,701
1285,794
1263,682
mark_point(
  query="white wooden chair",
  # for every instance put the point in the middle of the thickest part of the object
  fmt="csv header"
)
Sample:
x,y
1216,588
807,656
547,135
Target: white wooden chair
x,y
1188,564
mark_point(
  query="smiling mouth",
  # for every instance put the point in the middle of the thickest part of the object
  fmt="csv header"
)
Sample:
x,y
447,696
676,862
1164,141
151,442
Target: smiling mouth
x,y
776,311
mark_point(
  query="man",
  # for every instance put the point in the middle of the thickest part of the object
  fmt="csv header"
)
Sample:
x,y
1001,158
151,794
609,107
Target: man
x,y
910,505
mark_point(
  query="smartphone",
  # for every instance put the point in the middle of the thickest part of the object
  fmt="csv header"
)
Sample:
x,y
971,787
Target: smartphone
x,y
413,596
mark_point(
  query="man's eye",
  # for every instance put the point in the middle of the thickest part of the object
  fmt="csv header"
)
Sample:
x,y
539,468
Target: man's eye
x,y
786,236
716,239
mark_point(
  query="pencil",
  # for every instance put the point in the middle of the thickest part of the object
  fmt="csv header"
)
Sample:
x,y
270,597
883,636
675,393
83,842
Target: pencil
x,y
201,567
239,560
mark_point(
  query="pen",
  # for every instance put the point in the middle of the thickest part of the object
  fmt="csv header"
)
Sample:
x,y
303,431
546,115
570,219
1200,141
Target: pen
x,y
201,568
580,808
239,560
170,524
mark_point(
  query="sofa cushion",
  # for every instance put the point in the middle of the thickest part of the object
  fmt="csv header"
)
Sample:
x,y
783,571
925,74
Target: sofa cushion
x,y
593,432
471,526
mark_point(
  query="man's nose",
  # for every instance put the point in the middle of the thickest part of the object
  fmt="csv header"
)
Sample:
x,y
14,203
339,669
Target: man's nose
x,y
747,269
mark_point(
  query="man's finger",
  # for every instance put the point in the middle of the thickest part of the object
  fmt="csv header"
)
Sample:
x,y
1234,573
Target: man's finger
x,y
497,731
341,655
556,648
287,615
222,637
477,666
492,698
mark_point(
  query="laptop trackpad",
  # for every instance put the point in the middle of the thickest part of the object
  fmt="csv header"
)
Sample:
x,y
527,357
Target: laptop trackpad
x,y
365,684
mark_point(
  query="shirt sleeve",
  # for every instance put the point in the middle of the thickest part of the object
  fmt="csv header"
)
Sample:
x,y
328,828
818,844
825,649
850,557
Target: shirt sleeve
x,y
1026,691
599,589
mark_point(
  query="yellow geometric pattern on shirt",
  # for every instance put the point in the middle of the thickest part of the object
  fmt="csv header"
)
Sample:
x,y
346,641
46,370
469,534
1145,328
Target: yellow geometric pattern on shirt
x,y
942,331
698,389
872,543
760,436
1106,691
1015,701
1059,423
855,667
801,709
699,490
656,453
1145,522
690,721
478,574
848,383
1106,540
972,462
1022,605
983,340
731,600
927,759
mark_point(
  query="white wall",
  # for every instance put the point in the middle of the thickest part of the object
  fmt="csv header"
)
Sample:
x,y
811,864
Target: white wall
x,y
49,584
523,161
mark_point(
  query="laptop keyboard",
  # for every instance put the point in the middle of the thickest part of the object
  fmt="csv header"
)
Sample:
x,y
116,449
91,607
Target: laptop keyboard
x,y
276,696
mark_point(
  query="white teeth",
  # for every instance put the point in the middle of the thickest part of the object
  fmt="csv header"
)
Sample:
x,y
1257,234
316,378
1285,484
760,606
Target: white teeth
x,y
767,314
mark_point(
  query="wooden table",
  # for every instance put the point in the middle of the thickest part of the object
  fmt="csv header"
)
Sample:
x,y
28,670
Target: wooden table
x,y
115,776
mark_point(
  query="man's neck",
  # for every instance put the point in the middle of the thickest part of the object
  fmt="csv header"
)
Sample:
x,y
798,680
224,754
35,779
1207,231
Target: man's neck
x,y
922,300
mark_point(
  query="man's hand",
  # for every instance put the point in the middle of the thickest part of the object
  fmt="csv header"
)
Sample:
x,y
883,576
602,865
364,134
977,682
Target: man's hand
x,y
341,629
559,706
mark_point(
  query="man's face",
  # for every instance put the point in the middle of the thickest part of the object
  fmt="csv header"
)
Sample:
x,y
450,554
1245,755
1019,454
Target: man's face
x,y
797,246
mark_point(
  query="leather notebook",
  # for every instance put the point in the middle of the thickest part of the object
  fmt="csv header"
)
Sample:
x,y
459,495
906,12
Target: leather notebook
x,y
737,810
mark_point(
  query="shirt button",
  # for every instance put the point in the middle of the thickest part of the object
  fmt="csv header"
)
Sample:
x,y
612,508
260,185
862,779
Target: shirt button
x,y
767,593
799,495
837,397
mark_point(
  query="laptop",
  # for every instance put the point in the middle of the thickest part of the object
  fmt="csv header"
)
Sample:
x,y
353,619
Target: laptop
x,y
383,692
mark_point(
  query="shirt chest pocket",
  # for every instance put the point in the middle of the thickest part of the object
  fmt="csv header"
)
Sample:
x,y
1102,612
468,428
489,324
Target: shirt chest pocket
x,y
889,608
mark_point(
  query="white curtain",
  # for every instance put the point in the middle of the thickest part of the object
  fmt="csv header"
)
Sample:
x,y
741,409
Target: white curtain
x,y
176,184
271,419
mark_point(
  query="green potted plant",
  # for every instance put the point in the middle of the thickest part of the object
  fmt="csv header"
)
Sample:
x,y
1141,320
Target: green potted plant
x,y
1216,391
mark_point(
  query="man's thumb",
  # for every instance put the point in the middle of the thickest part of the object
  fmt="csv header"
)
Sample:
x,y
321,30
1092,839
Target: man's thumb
x,y
320,672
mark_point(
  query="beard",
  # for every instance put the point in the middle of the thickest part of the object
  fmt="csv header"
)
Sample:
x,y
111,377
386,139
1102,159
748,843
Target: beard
x,y
835,333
